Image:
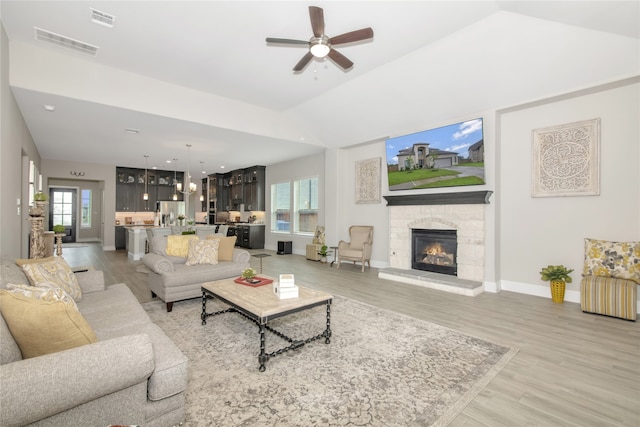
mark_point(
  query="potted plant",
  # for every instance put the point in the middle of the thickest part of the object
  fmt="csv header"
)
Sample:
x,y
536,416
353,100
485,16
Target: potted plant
x,y
558,276
40,197
58,229
248,273
323,253
181,219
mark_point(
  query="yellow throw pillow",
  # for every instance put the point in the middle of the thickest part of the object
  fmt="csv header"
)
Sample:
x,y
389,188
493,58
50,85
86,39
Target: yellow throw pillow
x,y
612,259
203,252
225,249
178,245
42,327
55,272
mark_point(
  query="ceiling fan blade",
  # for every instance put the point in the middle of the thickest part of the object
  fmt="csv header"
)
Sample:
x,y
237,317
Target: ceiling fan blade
x,y
286,41
353,36
340,59
317,20
303,62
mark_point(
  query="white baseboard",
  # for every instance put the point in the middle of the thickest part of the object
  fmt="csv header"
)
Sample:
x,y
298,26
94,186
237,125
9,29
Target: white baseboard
x,y
108,248
538,291
491,287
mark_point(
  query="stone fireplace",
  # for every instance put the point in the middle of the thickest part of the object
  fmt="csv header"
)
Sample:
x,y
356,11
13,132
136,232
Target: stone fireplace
x,y
463,213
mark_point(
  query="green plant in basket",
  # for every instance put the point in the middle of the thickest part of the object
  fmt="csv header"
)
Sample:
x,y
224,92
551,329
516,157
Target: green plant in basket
x,y
248,273
58,229
553,273
40,197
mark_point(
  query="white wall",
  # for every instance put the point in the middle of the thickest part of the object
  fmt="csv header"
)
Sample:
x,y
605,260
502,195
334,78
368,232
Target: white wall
x,y
351,213
304,167
16,149
105,174
536,232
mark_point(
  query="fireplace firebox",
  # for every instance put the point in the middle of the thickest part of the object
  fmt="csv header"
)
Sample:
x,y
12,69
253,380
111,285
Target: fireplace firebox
x,y
435,251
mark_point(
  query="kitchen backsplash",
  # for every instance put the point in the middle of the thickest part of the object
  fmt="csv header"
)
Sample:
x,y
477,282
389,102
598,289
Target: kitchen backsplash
x,y
136,217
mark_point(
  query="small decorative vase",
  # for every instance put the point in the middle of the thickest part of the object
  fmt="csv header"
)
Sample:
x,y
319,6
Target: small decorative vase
x,y
557,291
323,259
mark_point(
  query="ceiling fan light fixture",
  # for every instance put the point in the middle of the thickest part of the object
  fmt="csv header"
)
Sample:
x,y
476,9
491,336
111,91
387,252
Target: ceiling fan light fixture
x,y
320,47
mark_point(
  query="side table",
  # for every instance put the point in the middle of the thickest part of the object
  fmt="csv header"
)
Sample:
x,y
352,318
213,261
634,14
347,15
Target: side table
x,y
335,254
260,256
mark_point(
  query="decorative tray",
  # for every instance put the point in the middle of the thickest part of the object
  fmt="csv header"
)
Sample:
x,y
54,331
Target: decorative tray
x,y
255,282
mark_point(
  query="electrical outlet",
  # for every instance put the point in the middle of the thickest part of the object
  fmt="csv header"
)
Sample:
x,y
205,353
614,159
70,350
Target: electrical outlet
x,y
18,210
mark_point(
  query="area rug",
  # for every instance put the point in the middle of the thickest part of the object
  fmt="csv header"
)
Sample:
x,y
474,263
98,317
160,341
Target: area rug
x,y
380,369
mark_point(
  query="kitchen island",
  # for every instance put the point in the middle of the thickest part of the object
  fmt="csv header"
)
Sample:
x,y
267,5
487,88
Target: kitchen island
x,y
137,236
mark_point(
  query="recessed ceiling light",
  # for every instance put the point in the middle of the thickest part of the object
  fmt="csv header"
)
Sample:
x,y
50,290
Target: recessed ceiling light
x,y
131,130
49,107
169,161
221,167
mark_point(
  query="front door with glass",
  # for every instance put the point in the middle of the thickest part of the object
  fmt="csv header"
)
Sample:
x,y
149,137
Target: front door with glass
x,y
62,210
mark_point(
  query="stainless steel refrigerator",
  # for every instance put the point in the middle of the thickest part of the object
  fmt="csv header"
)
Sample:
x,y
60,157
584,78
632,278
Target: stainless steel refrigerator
x,y
169,211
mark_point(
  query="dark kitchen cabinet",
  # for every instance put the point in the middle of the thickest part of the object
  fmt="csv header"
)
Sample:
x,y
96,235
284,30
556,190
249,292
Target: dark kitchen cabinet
x,y
126,190
130,189
121,237
254,183
250,236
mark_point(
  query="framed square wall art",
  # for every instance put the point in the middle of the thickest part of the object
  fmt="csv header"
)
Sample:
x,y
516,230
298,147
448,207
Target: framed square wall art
x,y
566,160
368,180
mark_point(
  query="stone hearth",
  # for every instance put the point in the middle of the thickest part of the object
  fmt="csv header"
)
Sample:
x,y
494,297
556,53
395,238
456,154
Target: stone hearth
x,y
466,215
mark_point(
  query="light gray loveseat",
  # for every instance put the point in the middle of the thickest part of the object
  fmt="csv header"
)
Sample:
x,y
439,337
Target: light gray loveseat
x,y
172,280
133,375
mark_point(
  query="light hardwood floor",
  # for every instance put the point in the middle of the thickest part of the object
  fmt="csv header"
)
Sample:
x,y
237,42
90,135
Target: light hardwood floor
x,y
573,369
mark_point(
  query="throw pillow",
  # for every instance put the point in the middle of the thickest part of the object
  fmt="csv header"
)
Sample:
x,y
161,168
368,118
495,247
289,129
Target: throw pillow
x,y
225,250
49,293
178,245
203,252
42,327
55,272
612,259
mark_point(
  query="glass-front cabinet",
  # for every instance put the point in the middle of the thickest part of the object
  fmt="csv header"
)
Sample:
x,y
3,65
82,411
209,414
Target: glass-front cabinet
x,y
131,185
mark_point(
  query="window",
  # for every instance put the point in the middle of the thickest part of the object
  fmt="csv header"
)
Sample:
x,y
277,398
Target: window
x,y
85,221
306,205
281,207
300,218
63,208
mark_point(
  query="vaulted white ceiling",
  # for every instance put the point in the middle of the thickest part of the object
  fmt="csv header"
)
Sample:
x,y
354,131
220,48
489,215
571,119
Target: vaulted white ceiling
x,y
201,73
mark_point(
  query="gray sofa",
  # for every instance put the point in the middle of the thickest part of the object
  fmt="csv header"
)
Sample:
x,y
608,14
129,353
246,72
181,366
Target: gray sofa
x,y
172,280
133,375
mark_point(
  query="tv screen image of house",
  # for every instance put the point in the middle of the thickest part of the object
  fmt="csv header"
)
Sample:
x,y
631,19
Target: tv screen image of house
x,y
448,156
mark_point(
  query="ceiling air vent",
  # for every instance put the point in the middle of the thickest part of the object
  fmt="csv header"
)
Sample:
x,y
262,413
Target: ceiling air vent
x,y
63,41
102,18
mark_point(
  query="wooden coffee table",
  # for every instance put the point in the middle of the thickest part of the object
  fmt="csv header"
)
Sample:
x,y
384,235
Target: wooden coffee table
x,y
261,305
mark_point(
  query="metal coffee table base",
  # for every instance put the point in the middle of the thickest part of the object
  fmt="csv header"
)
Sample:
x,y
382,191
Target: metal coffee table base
x,y
263,326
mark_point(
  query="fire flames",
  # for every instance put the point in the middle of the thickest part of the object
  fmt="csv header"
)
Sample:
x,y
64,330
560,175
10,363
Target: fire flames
x,y
435,254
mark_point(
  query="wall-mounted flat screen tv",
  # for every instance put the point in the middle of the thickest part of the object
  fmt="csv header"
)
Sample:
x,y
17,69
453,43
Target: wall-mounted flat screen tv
x,y
448,156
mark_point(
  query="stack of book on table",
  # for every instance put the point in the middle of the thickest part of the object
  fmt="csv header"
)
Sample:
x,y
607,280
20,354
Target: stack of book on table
x,y
285,287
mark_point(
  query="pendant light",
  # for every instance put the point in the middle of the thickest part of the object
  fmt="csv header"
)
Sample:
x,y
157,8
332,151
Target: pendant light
x,y
145,196
175,179
202,179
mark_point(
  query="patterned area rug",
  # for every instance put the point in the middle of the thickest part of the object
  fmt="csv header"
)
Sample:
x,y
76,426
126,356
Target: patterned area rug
x,y
380,369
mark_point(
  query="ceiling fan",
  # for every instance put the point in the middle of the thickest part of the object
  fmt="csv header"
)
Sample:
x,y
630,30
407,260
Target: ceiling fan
x,y
320,45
